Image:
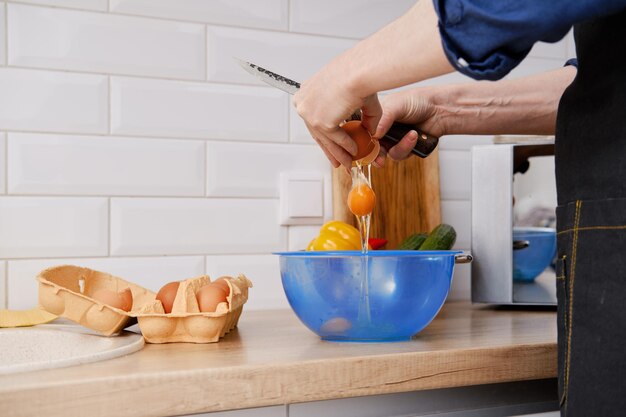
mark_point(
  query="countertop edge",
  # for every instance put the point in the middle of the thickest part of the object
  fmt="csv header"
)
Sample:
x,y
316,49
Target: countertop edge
x,y
283,383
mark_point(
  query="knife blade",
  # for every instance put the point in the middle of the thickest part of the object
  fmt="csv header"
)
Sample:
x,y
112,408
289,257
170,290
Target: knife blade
x,y
424,146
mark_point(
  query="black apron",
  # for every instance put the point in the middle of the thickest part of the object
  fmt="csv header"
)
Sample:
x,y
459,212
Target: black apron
x,y
591,222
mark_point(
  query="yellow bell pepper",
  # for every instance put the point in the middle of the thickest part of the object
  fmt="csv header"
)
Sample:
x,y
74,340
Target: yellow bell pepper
x,y
336,235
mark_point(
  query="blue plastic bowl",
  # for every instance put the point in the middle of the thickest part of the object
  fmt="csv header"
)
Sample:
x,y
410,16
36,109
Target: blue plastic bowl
x,y
531,261
331,295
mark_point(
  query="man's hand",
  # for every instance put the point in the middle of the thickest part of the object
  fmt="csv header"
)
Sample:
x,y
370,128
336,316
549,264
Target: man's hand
x,y
350,82
323,121
413,107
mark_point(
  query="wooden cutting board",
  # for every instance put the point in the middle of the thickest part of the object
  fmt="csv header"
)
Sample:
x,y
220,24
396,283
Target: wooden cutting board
x,y
407,198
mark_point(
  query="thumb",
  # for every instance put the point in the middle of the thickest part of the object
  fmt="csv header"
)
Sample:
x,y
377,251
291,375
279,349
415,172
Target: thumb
x,y
371,111
393,108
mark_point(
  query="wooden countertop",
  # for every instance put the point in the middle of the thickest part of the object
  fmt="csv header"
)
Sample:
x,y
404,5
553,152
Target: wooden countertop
x,y
273,359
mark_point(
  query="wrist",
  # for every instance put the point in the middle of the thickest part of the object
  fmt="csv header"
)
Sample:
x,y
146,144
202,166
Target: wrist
x,y
446,111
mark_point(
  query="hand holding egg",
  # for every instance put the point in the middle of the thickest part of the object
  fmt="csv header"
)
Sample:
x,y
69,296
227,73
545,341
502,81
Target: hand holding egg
x,y
367,147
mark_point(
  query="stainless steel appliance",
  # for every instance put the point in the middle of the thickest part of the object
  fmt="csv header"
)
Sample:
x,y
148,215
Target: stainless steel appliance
x,y
512,182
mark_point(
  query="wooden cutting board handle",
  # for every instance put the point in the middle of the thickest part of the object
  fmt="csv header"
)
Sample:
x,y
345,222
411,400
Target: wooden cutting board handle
x,y
407,198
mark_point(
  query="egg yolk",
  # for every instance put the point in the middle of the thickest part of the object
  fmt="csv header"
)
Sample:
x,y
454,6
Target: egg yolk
x,y
361,200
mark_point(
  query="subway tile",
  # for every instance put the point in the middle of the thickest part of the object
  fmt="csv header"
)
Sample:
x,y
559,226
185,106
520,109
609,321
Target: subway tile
x,y
461,288
3,163
328,17
195,226
266,14
97,42
149,272
100,5
571,45
532,66
455,174
293,55
3,56
34,100
97,165
557,50
457,213
264,272
3,285
301,236
463,142
49,227
197,110
253,170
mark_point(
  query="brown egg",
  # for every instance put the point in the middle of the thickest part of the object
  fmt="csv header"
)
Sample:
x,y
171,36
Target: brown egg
x,y
336,325
209,296
122,300
221,282
368,148
167,294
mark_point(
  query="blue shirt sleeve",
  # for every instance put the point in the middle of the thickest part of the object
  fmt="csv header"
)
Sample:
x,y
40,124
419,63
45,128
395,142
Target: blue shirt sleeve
x,y
486,39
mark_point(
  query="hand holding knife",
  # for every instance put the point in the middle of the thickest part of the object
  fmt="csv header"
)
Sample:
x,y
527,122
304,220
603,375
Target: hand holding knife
x,y
425,143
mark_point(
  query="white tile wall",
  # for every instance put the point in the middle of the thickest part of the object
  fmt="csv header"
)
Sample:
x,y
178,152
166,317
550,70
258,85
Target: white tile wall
x,y
349,18
3,55
262,270
36,100
75,4
557,50
149,272
253,170
3,163
197,110
461,283
3,285
570,45
97,165
272,50
51,227
96,42
457,214
195,226
267,14
301,236
457,185
133,111
463,142
531,66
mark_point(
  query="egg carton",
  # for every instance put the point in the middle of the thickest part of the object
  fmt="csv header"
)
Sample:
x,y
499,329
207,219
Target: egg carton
x,y
66,292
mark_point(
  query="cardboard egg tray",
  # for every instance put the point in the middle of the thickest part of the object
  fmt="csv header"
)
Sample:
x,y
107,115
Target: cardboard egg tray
x,y
65,291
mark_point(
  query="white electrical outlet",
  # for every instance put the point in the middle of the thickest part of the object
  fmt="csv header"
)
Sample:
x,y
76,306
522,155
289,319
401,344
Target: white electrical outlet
x,y
305,198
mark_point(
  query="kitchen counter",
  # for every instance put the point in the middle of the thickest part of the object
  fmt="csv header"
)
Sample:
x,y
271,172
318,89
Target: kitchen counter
x,y
273,359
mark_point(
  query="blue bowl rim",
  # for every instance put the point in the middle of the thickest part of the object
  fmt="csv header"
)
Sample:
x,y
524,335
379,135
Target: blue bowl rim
x,y
372,253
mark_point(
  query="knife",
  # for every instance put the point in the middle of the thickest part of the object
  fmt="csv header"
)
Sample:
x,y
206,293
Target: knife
x,y
425,143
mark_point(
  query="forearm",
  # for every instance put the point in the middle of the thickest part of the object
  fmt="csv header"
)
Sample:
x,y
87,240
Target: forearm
x,y
524,106
406,51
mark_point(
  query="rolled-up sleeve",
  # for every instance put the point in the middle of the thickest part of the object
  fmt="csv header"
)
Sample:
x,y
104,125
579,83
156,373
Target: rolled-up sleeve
x,y
486,39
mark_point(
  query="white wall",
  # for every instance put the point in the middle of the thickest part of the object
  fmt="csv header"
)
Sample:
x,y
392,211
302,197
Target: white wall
x,y
128,136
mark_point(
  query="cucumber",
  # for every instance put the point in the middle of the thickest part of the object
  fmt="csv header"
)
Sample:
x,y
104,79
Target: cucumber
x,y
441,238
412,242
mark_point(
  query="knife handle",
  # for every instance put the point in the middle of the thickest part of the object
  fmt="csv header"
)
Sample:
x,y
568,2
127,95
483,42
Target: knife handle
x,y
425,143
